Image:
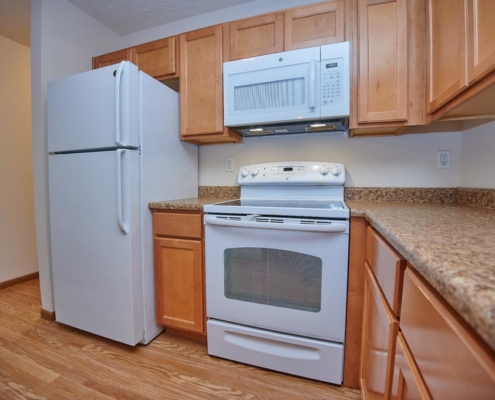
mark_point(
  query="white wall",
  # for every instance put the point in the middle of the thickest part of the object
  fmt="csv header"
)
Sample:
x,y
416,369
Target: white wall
x,y
17,232
63,40
212,18
478,156
398,161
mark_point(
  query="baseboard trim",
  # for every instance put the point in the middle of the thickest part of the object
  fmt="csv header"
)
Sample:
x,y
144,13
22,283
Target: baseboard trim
x,y
21,279
48,315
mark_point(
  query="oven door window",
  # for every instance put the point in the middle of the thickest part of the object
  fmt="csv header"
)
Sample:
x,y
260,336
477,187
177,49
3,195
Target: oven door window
x,y
273,277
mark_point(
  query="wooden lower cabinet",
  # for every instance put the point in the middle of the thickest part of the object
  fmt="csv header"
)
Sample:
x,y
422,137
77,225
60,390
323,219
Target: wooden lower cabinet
x,y
453,361
179,271
427,351
380,327
407,383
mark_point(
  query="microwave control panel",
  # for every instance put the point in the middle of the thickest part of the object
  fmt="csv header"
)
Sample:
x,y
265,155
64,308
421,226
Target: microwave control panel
x,y
331,82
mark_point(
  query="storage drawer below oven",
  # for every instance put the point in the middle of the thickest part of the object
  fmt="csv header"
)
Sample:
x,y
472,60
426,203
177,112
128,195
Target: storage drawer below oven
x,y
310,358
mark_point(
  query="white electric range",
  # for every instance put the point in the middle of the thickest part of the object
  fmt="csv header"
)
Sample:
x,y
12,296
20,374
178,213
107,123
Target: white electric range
x,y
276,269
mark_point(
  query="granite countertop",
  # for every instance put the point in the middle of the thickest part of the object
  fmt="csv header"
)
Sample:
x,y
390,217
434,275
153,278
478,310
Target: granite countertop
x,y
194,204
452,246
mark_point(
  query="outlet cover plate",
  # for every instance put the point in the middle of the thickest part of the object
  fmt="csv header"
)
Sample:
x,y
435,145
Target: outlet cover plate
x,y
443,159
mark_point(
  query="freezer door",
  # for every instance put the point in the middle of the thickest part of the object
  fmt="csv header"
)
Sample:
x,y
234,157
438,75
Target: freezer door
x,y
94,109
95,242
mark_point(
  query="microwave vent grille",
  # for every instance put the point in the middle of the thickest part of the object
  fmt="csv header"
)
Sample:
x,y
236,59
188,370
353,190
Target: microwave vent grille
x,y
269,95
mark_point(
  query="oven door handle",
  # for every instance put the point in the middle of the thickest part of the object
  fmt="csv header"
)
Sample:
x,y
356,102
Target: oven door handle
x,y
337,227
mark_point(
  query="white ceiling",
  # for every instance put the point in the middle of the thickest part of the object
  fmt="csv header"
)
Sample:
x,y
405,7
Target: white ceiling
x,y
121,16
129,16
15,20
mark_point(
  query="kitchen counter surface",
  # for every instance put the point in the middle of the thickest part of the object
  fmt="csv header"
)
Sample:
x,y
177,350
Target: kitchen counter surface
x,y
194,204
452,246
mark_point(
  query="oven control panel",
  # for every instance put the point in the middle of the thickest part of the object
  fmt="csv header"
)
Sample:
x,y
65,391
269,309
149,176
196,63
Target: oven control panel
x,y
292,173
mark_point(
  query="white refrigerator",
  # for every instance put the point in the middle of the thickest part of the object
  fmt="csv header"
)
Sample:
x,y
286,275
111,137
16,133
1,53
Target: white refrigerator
x,y
113,143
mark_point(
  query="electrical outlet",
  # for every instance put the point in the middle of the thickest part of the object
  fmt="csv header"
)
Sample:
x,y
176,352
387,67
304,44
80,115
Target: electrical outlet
x,y
229,165
443,159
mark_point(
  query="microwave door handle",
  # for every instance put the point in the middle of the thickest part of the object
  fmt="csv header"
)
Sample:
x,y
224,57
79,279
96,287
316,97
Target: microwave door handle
x,y
312,84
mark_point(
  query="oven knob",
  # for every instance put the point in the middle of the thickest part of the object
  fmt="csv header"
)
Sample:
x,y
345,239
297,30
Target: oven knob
x,y
244,172
254,172
324,170
336,171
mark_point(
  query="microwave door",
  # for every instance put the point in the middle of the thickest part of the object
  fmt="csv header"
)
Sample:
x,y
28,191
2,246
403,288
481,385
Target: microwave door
x,y
265,92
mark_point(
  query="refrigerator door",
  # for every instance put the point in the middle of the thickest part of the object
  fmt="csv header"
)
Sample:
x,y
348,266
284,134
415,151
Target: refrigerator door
x,y
95,241
94,109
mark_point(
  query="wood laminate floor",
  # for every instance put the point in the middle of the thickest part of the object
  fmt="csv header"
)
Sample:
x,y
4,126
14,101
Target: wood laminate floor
x,y
47,360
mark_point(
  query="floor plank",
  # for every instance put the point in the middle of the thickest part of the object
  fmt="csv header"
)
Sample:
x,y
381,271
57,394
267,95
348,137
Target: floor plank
x,y
47,360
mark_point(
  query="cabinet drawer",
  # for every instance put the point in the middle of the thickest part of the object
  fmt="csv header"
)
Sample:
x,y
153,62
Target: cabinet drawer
x,y
388,267
380,327
453,361
177,224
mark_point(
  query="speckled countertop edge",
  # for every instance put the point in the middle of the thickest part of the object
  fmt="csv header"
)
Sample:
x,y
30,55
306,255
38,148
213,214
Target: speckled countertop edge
x,y
194,204
452,246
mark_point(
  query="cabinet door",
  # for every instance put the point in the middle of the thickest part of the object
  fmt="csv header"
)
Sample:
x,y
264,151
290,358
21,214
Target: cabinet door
x,y
159,58
256,36
383,61
179,284
113,58
480,38
201,89
314,25
407,383
454,363
445,51
380,329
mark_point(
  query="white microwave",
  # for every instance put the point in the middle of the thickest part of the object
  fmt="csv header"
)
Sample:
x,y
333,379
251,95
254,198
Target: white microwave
x,y
301,89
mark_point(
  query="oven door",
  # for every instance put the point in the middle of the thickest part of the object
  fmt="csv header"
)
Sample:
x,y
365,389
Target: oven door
x,y
282,274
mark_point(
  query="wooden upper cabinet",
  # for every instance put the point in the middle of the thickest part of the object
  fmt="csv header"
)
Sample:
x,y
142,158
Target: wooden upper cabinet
x,y
256,36
446,75
480,44
201,88
113,58
159,58
383,61
314,25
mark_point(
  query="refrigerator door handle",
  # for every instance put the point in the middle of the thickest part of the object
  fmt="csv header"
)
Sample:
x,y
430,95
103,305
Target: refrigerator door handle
x,y
120,218
118,133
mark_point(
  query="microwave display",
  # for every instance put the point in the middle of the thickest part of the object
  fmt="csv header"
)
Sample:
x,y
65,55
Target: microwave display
x,y
332,65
